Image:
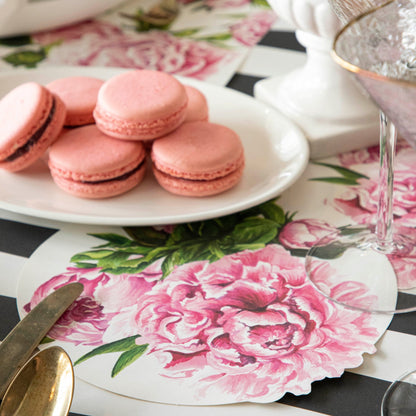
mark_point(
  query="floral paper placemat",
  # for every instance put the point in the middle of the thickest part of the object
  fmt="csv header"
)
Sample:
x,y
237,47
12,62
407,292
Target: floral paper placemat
x,y
202,39
218,311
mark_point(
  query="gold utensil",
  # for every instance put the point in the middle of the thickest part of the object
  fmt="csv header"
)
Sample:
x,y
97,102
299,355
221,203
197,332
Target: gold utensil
x,y
20,343
43,387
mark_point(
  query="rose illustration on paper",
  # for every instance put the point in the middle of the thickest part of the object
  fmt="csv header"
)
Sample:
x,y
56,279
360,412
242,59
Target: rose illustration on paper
x,y
220,305
371,155
306,233
360,202
88,319
195,40
250,324
250,30
102,44
359,198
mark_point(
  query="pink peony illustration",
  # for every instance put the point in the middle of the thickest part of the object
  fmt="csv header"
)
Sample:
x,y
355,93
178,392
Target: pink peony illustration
x,y
370,154
405,266
356,157
104,297
250,325
304,234
101,44
360,202
90,29
250,30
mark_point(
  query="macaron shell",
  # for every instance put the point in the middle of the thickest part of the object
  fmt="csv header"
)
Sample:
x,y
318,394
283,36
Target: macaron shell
x,y
87,154
86,163
100,190
197,109
195,188
79,95
199,150
140,105
22,111
25,112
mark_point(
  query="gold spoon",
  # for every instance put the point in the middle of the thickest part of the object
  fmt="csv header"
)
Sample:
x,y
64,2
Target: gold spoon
x,y
43,387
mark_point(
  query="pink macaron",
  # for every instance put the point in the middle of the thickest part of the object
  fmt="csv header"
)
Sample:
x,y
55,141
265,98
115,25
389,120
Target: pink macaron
x,y
31,118
79,95
197,105
198,159
86,163
140,105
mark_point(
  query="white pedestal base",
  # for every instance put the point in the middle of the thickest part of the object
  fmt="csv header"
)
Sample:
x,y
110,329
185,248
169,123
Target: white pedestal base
x,y
325,138
324,101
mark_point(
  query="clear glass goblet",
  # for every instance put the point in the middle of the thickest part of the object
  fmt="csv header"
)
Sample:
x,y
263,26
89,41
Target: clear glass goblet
x,y
379,48
400,398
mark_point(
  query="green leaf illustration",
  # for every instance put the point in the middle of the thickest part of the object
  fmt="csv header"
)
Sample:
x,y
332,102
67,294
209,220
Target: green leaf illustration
x,y
200,240
346,173
350,230
91,255
330,251
113,239
147,236
261,3
252,246
160,16
115,259
336,181
128,358
28,59
185,33
125,344
298,252
255,230
182,233
46,340
217,37
215,249
16,41
273,212
348,176
85,265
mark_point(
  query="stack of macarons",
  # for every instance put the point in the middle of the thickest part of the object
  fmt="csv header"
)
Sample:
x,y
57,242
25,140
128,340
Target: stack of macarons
x,y
98,134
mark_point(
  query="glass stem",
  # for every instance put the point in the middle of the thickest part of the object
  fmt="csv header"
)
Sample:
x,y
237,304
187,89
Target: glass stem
x,y
384,226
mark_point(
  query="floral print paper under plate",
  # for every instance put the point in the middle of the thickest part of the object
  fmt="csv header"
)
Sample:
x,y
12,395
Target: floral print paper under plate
x,y
220,311
206,40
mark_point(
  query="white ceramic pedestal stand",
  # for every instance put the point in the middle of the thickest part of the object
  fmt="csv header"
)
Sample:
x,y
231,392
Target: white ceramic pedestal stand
x,y
320,97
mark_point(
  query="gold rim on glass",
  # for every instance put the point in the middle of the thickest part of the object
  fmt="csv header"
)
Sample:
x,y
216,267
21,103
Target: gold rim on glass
x,y
357,69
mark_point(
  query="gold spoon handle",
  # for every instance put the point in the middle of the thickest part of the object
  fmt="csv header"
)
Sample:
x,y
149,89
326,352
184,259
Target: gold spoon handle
x,y
19,344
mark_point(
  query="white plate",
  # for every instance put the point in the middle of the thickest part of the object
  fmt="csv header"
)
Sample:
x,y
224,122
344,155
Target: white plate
x,y
29,16
276,151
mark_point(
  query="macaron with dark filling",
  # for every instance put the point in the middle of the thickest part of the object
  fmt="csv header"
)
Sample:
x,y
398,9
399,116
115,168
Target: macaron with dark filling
x,y
89,164
31,118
